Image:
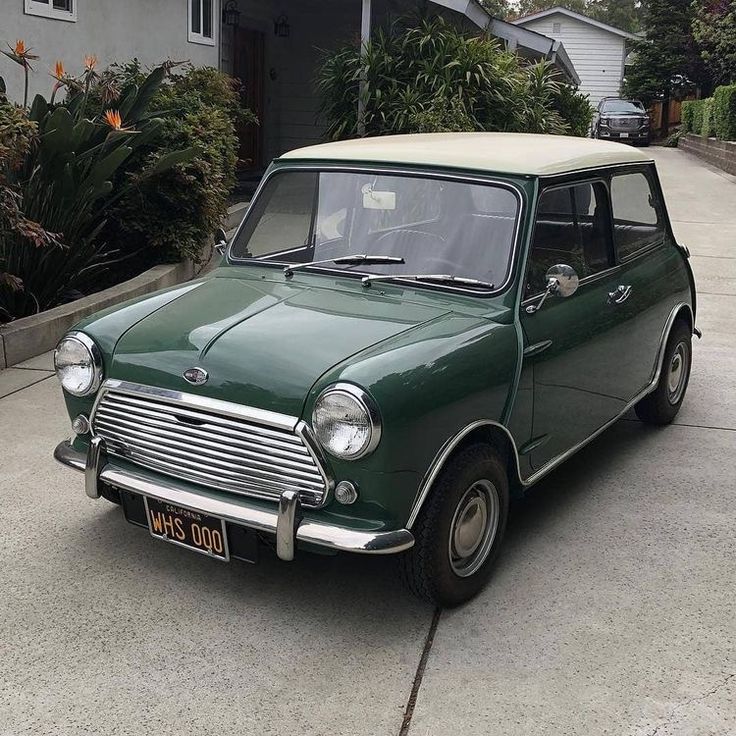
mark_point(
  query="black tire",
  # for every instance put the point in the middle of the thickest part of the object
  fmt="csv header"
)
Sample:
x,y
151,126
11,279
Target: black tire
x,y
473,477
661,406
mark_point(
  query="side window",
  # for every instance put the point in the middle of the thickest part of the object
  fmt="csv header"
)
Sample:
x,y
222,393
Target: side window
x,y
573,228
637,217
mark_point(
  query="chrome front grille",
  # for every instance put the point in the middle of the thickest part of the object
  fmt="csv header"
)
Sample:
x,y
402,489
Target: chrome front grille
x,y
213,443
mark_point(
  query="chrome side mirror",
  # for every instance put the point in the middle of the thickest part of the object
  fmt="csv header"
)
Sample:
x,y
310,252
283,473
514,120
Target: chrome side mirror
x,y
220,241
562,281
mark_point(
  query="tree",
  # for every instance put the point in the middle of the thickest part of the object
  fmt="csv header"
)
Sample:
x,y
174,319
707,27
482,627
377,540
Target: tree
x,y
714,30
527,7
667,65
623,14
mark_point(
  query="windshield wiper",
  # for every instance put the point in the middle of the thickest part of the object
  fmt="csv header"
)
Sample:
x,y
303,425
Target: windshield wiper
x,y
437,278
354,260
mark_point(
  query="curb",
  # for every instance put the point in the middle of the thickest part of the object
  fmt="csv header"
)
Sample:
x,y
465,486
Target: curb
x,y
25,338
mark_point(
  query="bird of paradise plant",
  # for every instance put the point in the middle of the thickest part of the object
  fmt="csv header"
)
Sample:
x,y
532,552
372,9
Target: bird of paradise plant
x,y
23,56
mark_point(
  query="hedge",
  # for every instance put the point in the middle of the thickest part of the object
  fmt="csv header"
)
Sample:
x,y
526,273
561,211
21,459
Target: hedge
x,y
724,112
715,116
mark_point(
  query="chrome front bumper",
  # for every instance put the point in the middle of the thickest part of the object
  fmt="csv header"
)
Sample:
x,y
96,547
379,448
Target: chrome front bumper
x,y
286,522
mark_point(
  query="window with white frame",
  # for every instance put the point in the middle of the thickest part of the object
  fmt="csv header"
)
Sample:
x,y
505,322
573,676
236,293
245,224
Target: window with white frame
x,y
58,9
202,21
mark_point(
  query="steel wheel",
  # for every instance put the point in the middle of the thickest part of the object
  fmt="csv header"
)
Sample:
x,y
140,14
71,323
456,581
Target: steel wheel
x,y
473,528
677,374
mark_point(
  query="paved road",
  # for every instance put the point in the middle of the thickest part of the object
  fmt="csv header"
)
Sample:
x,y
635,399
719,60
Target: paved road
x,y
612,610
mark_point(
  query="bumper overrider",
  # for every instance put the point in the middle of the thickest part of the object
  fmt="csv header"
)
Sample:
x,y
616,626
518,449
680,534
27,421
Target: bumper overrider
x,y
286,522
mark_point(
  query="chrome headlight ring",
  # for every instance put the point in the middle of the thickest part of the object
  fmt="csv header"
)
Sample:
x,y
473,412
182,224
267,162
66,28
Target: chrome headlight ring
x,y
346,421
77,350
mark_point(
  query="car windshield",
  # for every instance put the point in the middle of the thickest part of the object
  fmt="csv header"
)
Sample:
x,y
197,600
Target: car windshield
x,y
622,106
436,225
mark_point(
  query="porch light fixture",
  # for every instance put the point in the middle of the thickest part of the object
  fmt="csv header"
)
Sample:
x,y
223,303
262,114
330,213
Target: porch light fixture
x,y
231,14
281,27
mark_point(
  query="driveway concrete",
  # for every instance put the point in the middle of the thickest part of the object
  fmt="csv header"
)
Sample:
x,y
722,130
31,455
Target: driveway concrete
x,y
612,610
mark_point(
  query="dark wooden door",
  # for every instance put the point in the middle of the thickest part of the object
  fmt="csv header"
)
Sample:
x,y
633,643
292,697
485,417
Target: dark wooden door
x,y
249,67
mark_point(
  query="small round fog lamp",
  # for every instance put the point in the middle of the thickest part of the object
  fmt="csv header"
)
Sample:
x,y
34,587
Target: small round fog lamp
x,y
346,493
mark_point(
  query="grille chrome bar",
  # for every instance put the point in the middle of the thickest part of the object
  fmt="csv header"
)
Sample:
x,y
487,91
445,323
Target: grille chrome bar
x,y
213,443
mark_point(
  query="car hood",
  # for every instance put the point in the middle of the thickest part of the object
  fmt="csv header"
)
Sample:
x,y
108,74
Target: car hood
x,y
263,342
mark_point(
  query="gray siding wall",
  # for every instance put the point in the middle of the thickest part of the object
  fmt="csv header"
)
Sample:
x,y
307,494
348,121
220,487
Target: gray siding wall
x,y
113,30
597,55
291,116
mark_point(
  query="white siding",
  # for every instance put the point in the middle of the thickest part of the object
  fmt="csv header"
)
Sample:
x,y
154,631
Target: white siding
x,y
596,54
112,30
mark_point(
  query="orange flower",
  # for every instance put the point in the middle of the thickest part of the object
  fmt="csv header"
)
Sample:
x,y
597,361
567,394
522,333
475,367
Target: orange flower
x,y
59,71
113,119
20,47
20,54
90,62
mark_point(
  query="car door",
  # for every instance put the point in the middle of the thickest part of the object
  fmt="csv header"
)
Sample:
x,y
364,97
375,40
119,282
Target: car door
x,y
573,344
645,274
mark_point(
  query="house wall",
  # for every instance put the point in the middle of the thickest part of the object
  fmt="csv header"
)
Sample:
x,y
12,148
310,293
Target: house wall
x,y
291,105
113,30
597,55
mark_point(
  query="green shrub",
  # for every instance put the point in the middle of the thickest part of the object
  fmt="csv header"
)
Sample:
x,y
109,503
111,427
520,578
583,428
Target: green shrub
x,y
427,76
724,112
173,217
63,186
575,109
673,140
686,116
706,129
697,116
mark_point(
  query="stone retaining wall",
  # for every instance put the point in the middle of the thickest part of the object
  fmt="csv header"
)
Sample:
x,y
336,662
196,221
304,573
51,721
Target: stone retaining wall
x,y
718,153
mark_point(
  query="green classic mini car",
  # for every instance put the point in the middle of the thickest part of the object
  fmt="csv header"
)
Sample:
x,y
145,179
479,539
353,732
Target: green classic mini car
x,y
404,333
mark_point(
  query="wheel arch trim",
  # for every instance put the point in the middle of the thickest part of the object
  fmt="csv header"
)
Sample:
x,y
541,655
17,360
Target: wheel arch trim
x,y
446,452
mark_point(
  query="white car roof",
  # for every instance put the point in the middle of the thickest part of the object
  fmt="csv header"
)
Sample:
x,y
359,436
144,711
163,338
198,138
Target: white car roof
x,y
507,153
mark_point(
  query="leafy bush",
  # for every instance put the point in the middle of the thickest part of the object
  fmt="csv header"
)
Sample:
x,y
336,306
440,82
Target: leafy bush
x,y
692,116
706,129
575,109
686,116
98,180
426,76
65,184
673,140
724,112
173,216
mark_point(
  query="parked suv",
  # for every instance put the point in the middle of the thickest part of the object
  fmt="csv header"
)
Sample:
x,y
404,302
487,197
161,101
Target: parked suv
x,y
622,120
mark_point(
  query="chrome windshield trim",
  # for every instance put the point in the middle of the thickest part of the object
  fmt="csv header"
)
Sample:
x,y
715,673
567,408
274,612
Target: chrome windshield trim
x,y
346,167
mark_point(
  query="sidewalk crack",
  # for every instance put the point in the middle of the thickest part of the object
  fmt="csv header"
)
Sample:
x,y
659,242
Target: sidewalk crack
x,y
667,720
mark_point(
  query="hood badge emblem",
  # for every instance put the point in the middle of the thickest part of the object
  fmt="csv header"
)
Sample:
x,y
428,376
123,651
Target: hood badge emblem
x,y
196,376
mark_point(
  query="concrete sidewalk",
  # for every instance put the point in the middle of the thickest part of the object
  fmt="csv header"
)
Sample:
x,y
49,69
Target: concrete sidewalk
x,y
612,611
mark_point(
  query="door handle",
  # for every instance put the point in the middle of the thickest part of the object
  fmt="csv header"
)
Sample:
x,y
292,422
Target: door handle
x,y
620,295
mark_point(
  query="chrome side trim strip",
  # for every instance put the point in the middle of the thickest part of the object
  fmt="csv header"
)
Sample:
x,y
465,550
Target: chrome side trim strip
x,y
453,442
238,511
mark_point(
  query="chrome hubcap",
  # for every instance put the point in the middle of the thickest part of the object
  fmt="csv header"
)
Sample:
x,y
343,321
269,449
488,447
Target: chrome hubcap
x,y
473,528
677,373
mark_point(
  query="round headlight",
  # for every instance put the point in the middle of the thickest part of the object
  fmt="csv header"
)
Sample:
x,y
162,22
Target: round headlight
x,y
346,422
78,364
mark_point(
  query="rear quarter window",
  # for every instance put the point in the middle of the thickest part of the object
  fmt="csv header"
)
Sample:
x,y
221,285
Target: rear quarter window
x,y
638,220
